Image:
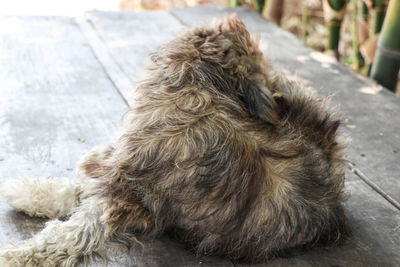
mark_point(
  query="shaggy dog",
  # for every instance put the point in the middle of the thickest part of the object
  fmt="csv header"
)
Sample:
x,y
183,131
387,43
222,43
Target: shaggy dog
x,y
219,149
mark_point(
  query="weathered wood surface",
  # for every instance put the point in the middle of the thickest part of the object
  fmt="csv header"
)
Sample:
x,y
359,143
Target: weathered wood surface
x,y
131,36
56,87
56,103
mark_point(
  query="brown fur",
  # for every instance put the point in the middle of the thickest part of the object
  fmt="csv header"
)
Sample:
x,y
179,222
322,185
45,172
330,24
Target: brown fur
x,y
224,152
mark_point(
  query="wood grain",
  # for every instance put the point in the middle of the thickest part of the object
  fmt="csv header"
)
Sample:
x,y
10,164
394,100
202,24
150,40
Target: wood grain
x,y
130,37
56,102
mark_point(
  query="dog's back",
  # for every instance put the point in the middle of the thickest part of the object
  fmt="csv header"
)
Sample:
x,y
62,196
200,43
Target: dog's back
x,y
229,154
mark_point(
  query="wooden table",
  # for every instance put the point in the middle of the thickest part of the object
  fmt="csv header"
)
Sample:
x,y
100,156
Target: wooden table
x,y
65,82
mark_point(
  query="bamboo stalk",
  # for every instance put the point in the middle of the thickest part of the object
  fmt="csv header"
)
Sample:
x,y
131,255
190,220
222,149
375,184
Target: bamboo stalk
x,y
334,36
334,13
368,68
365,17
379,8
304,22
258,5
386,65
356,46
365,11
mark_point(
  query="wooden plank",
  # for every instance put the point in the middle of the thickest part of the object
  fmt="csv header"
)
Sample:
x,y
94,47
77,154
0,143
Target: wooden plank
x,y
54,95
56,103
373,121
163,252
117,76
130,37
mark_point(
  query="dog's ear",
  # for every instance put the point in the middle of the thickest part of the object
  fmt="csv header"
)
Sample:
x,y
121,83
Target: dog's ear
x,y
234,25
303,111
259,102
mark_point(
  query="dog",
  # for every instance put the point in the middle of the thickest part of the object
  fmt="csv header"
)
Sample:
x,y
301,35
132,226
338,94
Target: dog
x,y
220,150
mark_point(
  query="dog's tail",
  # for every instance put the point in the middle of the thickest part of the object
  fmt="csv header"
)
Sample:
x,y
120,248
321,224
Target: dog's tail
x,y
42,197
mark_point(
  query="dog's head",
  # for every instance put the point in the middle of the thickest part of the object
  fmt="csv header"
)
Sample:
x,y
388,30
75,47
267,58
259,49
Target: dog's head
x,y
229,44
222,58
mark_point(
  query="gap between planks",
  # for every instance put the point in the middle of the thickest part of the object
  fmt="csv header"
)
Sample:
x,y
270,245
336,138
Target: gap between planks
x,y
374,186
178,18
115,73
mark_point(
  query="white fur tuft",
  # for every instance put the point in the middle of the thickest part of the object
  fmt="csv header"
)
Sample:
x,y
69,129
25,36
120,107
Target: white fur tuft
x,y
42,197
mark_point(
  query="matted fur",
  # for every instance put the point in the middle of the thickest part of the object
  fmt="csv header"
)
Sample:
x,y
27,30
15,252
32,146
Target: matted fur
x,y
219,149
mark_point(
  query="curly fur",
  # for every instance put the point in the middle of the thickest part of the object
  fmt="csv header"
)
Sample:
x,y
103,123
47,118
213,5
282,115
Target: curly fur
x,y
219,149
42,197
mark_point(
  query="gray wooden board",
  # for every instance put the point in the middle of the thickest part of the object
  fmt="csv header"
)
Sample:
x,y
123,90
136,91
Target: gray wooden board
x,y
162,252
165,252
375,132
56,102
131,36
